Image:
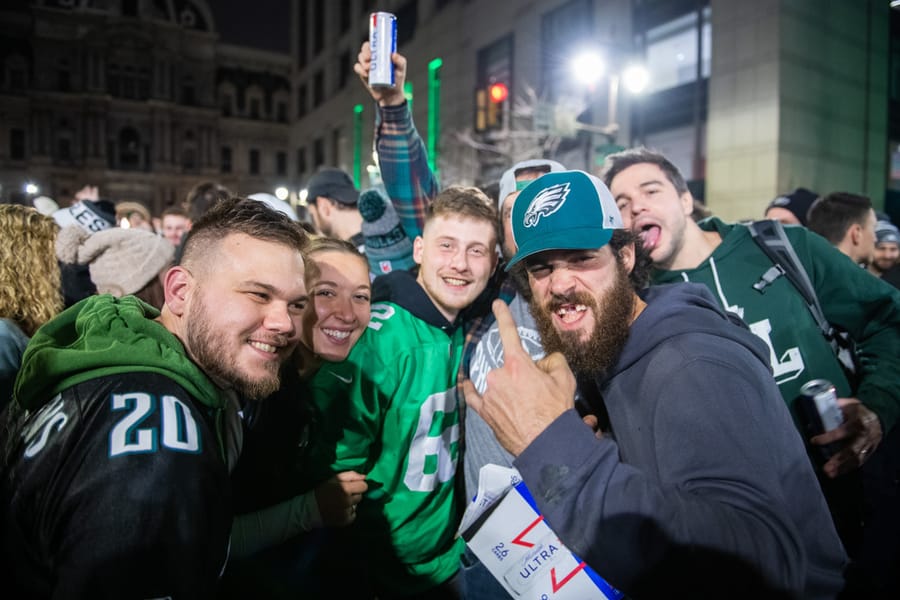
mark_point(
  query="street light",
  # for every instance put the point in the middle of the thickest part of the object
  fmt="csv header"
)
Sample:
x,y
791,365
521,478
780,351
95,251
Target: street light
x,y
636,78
589,68
281,193
31,189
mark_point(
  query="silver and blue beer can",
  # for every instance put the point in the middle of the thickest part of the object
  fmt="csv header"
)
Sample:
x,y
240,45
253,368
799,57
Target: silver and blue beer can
x,y
821,393
383,43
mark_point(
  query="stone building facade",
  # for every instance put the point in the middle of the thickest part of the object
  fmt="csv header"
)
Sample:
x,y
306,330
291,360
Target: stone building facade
x,y
137,97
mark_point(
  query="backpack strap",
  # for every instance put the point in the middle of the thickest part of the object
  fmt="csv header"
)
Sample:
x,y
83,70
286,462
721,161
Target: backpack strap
x,y
772,240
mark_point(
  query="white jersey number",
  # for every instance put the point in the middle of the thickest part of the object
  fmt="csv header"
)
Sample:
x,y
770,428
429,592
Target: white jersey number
x,y
382,312
430,451
179,429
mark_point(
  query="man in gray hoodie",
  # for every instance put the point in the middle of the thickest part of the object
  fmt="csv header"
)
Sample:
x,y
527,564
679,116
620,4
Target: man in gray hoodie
x,y
696,478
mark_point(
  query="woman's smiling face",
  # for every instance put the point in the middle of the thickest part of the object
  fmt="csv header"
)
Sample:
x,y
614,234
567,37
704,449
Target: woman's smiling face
x,y
341,303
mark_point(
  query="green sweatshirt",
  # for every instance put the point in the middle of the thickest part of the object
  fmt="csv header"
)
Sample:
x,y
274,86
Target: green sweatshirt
x,y
851,298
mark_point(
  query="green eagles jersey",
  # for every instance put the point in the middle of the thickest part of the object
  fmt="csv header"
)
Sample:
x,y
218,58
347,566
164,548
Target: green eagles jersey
x,y
390,411
852,300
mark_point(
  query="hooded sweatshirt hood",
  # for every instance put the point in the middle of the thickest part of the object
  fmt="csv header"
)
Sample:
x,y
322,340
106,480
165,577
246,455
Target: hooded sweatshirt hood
x,y
402,288
100,336
683,308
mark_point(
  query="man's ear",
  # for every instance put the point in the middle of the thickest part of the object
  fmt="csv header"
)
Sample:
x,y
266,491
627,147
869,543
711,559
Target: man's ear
x,y
855,233
324,207
178,286
687,203
626,255
418,249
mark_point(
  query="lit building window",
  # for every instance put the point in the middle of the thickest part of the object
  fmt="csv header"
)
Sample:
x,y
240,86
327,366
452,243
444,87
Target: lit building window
x,y
672,51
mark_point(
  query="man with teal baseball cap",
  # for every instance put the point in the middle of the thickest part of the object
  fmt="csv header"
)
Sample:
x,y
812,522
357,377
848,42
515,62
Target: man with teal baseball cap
x,y
695,478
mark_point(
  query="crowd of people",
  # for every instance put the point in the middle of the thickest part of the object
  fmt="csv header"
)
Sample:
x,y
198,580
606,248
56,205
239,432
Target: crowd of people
x,y
226,402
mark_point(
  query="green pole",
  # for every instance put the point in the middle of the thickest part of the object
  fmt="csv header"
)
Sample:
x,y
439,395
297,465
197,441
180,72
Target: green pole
x,y
357,144
434,114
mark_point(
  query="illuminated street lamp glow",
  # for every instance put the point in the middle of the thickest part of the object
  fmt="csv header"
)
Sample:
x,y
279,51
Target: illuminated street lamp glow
x,y
635,78
31,188
281,193
301,197
588,68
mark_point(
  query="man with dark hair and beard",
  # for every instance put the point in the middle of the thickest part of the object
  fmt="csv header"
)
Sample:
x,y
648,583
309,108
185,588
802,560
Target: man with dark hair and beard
x,y
695,478
124,423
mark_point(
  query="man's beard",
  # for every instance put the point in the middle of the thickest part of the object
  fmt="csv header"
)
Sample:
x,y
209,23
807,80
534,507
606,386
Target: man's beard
x,y
208,350
612,322
881,266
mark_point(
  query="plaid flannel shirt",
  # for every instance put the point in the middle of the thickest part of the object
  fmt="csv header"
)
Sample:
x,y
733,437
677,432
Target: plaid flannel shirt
x,y
408,180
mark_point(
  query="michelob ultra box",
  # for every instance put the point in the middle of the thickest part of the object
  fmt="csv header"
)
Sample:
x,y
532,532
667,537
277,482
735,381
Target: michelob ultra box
x,y
505,530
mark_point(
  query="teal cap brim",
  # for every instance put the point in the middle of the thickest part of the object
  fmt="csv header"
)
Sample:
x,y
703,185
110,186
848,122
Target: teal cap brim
x,y
584,238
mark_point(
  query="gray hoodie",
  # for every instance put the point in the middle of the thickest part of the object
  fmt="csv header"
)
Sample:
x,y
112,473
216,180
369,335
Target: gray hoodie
x,y
703,484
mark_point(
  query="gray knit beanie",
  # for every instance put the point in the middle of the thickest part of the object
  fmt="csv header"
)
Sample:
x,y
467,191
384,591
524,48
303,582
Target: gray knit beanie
x,y
122,261
388,248
886,233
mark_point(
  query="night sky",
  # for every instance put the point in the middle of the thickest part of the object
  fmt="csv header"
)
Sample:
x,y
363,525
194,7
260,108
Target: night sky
x,y
262,24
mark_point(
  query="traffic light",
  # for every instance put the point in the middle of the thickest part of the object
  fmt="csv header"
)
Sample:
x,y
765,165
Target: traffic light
x,y
491,102
498,92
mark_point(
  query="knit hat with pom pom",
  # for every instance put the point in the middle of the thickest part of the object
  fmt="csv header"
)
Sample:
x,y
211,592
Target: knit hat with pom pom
x,y
388,248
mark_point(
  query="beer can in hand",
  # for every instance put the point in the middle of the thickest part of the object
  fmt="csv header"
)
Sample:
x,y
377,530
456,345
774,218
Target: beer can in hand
x,y
383,43
819,411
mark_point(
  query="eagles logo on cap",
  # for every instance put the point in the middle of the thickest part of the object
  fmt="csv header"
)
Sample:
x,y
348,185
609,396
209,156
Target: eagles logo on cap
x,y
547,202
583,212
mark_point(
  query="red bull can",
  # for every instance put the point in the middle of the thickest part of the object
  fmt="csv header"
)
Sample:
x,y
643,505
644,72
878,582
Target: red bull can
x,y
383,43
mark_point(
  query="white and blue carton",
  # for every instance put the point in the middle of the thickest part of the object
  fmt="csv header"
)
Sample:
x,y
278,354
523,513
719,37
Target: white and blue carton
x,y
505,530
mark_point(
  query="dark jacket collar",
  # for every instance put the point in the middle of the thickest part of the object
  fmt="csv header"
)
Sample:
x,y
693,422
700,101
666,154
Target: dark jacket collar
x,y
401,288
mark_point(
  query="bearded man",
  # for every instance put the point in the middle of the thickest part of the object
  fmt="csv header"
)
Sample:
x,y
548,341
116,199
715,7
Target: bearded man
x,y
695,478
124,423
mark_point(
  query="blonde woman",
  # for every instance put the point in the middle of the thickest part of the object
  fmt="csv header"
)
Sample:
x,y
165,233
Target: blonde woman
x,y
29,284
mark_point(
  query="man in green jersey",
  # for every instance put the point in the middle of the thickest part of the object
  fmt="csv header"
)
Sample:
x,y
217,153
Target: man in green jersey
x,y
390,409
656,203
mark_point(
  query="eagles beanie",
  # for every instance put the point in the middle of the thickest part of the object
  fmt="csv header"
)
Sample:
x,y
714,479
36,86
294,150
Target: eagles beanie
x,y
90,215
121,261
388,248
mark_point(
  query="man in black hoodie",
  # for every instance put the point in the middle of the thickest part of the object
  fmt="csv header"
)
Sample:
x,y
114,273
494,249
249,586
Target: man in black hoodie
x,y
696,479
124,422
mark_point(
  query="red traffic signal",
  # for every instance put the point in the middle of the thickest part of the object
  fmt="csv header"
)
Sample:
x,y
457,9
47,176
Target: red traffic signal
x,y
498,92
